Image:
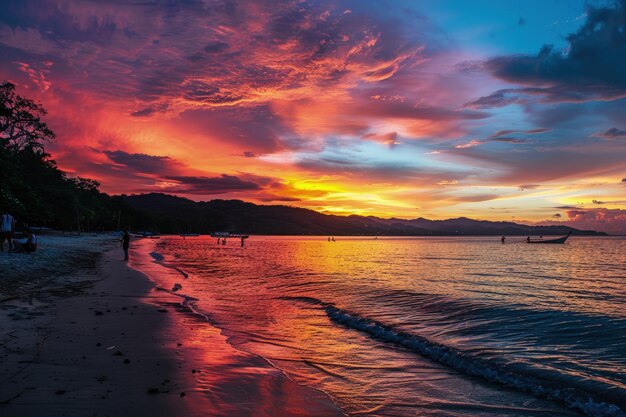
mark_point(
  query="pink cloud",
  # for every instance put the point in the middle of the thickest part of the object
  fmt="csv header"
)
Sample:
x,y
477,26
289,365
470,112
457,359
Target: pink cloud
x,y
472,143
37,74
611,221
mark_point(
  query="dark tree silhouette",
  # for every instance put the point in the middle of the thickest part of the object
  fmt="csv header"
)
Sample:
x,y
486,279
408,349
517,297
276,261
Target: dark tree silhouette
x,y
32,187
20,121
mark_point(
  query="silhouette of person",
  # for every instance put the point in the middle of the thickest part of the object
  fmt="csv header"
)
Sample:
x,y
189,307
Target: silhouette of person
x,y
503,239
27,244
7,229
125,244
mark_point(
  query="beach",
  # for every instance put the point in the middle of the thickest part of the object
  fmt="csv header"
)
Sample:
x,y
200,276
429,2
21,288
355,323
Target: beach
x,y
83,334
299,326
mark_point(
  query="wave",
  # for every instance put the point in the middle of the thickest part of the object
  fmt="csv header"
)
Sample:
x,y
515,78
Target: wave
x,y
557,328
159,258
569,395
557,388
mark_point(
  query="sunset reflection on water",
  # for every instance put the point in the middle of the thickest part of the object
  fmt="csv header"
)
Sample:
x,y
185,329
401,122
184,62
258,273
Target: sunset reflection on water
x,y
555,312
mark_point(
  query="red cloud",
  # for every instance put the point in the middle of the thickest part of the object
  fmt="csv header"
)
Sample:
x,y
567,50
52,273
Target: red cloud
x,y
612,221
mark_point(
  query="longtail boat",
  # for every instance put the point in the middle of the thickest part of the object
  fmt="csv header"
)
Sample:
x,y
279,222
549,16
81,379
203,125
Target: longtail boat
x,y
558,240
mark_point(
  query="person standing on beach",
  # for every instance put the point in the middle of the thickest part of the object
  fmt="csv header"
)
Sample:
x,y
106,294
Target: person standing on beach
x,y
125,244
7,228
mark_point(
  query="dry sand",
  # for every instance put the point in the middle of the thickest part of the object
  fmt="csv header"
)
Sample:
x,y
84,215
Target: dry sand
x,y
121,347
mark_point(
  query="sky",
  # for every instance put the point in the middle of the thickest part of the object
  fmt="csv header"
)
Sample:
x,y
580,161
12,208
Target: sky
x,y
437,109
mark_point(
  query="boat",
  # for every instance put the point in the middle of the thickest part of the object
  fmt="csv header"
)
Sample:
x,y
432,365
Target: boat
x,y
146,235
541,240
230,235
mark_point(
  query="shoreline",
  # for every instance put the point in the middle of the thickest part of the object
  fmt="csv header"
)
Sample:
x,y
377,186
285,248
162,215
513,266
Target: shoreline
x,y
122,347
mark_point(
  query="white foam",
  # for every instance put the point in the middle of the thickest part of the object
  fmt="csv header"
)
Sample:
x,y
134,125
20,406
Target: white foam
x,y
572,397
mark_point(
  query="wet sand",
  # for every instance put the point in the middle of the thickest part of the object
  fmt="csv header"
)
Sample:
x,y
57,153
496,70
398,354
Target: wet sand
x,y
103,341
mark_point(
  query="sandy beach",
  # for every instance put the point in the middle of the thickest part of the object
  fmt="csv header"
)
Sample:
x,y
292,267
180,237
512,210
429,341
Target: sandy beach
x,y
83,334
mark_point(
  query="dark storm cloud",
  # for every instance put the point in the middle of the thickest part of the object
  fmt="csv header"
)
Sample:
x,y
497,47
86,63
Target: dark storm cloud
x,y
592,68
526,132
516,141
556,94
166,170
164,174
500,98
208,185
143,112
202,92
611,134
502,137
149,111
144,163
215,47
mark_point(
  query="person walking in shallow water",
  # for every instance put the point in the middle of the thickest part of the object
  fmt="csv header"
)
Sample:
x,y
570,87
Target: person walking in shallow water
x,y
125,244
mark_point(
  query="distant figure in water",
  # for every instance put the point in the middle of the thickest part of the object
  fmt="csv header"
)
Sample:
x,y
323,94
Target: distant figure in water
x,y
329,238
528,239
242,240
125,244
223,241
503,239
333,239
218,240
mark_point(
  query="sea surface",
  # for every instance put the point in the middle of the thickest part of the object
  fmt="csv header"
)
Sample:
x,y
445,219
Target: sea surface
x,y
418,326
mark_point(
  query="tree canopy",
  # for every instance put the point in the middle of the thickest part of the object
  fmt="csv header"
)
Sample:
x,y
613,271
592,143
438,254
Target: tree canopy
x,y
32,187
21,126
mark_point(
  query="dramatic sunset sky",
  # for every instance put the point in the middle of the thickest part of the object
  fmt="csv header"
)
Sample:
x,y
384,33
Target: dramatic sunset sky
x,y
496,110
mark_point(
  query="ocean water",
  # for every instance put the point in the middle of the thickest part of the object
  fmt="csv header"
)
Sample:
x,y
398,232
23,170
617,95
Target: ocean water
x,y
419,326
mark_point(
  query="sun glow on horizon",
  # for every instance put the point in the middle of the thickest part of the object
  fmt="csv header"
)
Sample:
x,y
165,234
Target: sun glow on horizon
x,y
347,113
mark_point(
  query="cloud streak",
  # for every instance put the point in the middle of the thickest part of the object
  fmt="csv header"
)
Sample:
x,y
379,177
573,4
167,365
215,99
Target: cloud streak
x,y
611,134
